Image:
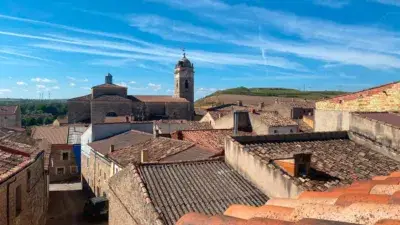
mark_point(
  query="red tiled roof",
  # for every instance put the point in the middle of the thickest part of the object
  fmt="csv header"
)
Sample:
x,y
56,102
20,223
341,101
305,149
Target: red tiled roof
x,y
365,92
82,98
108,86
54,135
213,139
367,202
8,110
111,98
11,161
159,98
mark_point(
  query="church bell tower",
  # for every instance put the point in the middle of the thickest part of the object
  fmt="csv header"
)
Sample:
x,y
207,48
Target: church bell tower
x,y
184,81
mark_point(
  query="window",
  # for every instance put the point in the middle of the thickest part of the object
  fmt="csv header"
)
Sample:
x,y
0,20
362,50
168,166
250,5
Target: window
x,y
28,180
74,169
65,155
291,130
18,200
60,170
111,114
275,131
186,84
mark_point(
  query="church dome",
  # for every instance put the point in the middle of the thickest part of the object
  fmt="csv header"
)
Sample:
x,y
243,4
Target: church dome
x,y
184,62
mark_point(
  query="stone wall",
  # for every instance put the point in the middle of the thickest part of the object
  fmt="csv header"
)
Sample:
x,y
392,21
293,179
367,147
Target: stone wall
x,y
99,109
377,135
97,170
268,179
33,195
128,202
328,120
56,161
181,110
9,121
98,91
78,111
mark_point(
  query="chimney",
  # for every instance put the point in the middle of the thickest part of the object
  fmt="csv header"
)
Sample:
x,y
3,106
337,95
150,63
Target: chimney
x,y
179,135
241,122
302,164
108,79
239,103
156,133
112,148
127,119
144,156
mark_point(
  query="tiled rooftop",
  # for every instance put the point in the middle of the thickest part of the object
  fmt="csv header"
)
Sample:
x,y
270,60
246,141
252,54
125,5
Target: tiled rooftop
x,y
212,139
376,201
120,141
158,148
75,133
8,110
273,119
54,135
82,98
170,126
207,187
117,119
108,86
10,161
335,160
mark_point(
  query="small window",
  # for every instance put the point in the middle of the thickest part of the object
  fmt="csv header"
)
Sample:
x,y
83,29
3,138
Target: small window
x,y
28,180
111,114
60,170
275,131
73,170
64,155
291,130
18,200
186,84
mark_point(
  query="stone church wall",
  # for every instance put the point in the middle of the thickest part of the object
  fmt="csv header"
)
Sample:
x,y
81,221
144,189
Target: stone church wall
x,y
99,109
181,110
120,91
155,108
78,111
139,111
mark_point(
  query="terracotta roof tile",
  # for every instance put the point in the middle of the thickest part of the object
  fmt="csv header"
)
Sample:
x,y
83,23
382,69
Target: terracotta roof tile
x,y
8,110
112,98
108,86
273,119
170,126
82,98
348,208
54,135
11,160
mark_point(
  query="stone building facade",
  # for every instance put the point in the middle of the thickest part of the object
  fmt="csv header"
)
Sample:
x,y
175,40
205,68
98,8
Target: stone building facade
x,y
334,114
10,116
23,187
109,99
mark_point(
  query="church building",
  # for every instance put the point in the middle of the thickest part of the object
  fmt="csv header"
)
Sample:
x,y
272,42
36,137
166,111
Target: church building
x,y
111,100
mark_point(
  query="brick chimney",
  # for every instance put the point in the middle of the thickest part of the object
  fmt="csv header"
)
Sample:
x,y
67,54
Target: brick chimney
x,y
144,156
112,148
241,122
302,164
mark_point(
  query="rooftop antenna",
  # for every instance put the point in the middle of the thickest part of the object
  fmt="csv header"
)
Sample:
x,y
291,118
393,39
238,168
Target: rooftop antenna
x,y
184,53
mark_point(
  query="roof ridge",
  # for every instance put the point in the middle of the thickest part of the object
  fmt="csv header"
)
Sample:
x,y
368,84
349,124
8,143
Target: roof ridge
x,y
216,159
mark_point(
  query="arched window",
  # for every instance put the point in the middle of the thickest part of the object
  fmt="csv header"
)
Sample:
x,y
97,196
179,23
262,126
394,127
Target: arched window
x,y
111,114
186,84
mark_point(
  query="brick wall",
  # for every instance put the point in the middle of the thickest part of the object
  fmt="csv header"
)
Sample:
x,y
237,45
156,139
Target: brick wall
x,y
56,161
34,199
78,111
379,99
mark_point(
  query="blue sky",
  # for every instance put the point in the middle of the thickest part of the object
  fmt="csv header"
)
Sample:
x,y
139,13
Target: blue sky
x,y
65,47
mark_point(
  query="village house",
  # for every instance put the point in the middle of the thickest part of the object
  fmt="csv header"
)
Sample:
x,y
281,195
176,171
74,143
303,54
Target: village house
x,y
170,126
160,193
64,141
23,186
334,114
10,116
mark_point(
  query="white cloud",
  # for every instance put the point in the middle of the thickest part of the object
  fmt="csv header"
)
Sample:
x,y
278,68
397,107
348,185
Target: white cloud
x,y
21,83
5,90
71,78
123,84
43,80
72,84
388,2
132,82
86,88
111,62
40,86
154,87
332,3
16,53
55,88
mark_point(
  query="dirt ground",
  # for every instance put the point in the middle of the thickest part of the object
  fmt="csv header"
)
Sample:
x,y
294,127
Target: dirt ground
x,y
66,207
